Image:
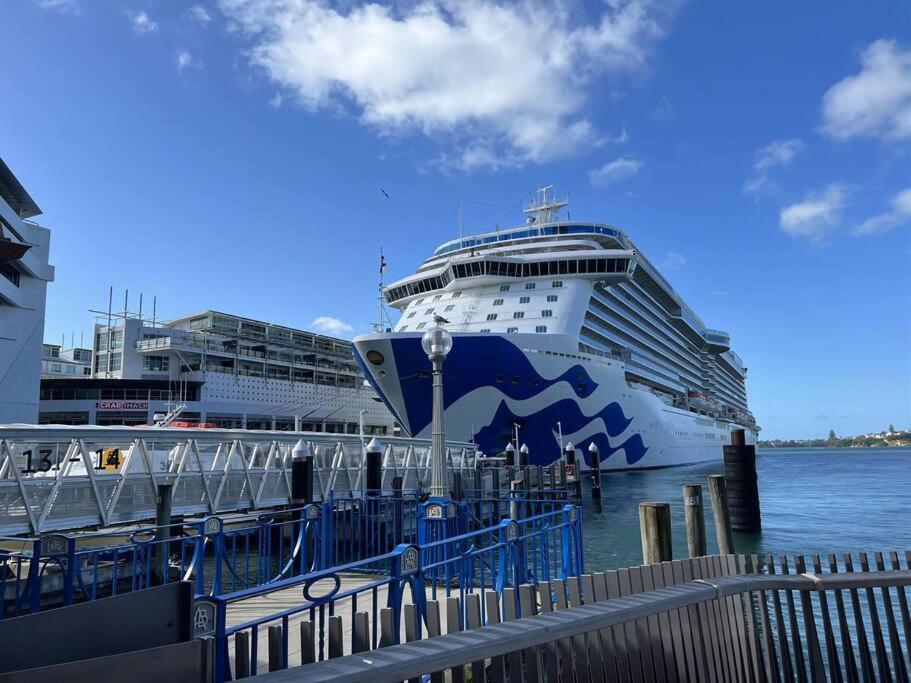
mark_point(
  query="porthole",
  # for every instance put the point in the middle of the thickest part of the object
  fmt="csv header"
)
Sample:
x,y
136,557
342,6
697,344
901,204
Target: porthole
x,y
375,357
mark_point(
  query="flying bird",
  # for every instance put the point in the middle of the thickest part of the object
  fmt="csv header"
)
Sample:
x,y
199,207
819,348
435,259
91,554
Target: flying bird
x,y
385,194
440,320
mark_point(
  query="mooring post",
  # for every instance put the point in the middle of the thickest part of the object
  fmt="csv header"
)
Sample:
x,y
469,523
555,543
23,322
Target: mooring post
x,y
374,461
398,511
301,474
275,649
572,471
594,462
655,530
510,454
695,519
515,487
718,490
163,531
742,483
241,654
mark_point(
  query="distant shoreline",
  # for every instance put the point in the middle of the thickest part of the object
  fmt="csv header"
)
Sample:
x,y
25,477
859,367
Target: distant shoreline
x,y
881,444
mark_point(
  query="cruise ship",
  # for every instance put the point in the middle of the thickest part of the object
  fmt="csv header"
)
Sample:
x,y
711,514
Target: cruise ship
x,y
563,332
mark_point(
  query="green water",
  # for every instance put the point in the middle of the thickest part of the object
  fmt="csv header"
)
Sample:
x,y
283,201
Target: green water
x,y
814,500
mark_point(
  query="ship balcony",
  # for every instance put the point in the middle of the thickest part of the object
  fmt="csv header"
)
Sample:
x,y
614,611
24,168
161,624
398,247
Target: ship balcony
x,y
717,340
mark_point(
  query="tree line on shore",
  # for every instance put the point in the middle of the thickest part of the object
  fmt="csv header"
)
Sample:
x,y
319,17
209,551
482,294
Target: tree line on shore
x,y
886,438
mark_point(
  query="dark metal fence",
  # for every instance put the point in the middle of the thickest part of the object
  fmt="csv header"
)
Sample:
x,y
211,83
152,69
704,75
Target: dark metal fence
x,y
721,618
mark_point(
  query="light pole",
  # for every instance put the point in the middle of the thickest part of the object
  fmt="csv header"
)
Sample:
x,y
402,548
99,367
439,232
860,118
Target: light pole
x,y
437,342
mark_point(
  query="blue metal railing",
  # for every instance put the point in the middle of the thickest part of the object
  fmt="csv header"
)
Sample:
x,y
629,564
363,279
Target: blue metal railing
x,y
446,560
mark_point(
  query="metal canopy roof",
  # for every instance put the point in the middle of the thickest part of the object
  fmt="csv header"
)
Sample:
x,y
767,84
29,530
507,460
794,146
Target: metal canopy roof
x,y
15,195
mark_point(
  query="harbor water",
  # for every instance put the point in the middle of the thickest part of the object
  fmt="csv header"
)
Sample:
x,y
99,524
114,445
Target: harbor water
x,y
814,500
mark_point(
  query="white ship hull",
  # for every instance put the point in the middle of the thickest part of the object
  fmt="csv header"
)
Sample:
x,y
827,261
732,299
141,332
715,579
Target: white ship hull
x,y
495,381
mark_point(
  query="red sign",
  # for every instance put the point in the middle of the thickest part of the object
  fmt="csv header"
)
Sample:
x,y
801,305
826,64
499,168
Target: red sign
x,y
122,405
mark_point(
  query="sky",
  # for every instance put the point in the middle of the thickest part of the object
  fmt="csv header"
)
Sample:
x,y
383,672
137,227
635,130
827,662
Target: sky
x,y
233,155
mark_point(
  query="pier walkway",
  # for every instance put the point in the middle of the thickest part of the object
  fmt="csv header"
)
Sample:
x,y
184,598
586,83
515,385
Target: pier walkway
x,y
55,478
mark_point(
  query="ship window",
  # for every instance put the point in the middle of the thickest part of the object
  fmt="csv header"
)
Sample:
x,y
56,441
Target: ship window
x,y
529,285
547,313
524,299
540,329
551,297
500,378
534,269
516,380
412,314
428,311
563,268
456,295
511,329
449,307
511,269
486,329
403,328
504,288
491,316
518,314
421,326
438,297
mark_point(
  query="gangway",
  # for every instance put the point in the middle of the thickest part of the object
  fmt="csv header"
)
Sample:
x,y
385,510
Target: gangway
x,y
55,477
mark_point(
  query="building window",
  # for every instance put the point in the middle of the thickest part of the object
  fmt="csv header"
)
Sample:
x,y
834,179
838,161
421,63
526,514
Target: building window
x,y
448,308
10,273
547,313
421,326
456,295
551,297
540,329
498,302
524,299
511,329
155,363
518,314
504,288
529,285
491,316
556,283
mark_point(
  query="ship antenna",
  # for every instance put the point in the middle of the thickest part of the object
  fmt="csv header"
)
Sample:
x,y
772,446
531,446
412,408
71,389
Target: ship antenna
x,y
381,300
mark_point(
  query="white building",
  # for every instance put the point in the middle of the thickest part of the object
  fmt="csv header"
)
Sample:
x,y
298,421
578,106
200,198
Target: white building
x,y
24,250
65,363
221,370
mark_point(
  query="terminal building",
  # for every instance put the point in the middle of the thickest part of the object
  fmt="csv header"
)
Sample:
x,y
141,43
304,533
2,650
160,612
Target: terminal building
x,y
58,362
24,274
218,370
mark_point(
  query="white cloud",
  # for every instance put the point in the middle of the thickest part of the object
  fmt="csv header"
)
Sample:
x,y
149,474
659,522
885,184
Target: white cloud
x,y
664,111
613,171
506,81
276,101
875,102
776,153
142,23
200,14
815,216
332,326
673,261
898,214
62,6
184,59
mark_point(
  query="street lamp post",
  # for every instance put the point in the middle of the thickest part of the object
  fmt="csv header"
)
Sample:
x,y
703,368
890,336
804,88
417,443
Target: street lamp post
x,y
437,342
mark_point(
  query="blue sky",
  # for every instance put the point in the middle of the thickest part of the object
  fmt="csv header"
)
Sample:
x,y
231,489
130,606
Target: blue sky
x,y
230,155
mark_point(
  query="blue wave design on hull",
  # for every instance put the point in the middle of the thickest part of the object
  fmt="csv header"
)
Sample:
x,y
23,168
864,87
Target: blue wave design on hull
x,y
537,431
474,362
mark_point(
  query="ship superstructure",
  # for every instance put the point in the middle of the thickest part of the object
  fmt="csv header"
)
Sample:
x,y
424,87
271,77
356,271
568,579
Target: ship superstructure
x,y
563,330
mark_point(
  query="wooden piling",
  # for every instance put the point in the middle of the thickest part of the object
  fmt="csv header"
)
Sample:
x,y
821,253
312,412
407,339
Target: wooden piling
x,y
655,530
719,493
241,654
275,648
742,483
695,520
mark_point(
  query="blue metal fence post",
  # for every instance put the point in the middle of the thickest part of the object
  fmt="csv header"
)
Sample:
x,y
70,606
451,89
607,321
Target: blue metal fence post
x,y
571,545
34,577
326,534
405,568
